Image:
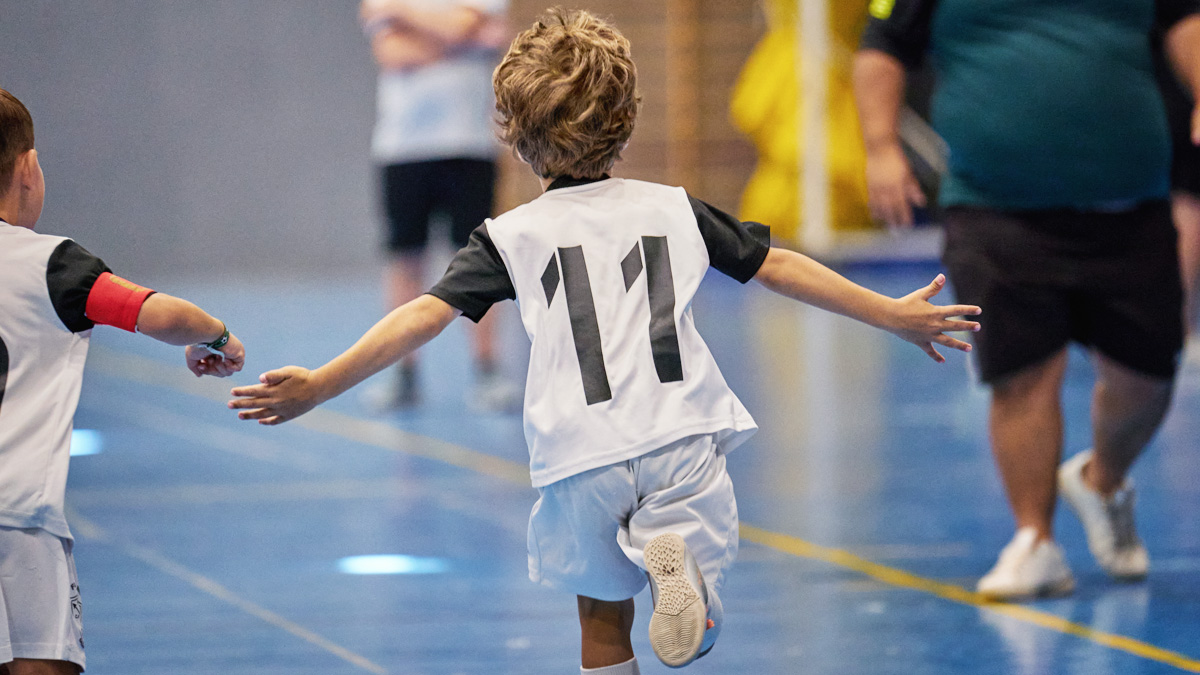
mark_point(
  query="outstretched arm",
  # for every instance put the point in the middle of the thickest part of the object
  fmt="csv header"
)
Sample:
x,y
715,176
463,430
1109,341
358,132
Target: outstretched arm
x,y
289,392
178,322
911,318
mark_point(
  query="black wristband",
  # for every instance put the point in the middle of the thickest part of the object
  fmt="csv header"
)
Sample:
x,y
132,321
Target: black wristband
x,y
215,346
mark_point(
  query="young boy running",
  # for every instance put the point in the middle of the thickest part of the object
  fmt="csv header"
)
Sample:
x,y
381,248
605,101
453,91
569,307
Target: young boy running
x,y
627,416
52,292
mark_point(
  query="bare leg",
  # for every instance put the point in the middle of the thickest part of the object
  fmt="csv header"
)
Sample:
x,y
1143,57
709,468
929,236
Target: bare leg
x,y
39,667
485,343
1127,407
605,627
404,280
1027,429
1185,209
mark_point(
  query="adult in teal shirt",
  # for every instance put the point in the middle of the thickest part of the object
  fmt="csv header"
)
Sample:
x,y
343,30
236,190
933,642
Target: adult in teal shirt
x,y
1057,225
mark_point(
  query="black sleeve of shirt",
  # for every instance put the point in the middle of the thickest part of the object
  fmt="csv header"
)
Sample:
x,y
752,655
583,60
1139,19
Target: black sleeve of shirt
x,y
1169,12
70,275
899,28
734,248
476,278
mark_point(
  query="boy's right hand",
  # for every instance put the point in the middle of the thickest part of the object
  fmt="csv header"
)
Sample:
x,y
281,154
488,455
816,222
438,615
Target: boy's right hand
x,y
283,394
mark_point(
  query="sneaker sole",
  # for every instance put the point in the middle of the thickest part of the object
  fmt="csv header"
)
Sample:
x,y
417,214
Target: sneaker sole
x,y
1055,590
679,619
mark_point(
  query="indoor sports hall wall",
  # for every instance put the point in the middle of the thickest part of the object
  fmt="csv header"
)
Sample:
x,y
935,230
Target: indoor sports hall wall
x,y
191,138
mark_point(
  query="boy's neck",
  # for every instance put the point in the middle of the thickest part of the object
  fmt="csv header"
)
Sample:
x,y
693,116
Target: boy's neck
x,y
547,181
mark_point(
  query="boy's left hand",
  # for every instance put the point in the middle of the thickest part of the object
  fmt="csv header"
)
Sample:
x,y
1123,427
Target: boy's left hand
x,y
923,324
284,394
203,362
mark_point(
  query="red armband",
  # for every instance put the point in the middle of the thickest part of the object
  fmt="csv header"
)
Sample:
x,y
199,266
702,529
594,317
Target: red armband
x,y
114,301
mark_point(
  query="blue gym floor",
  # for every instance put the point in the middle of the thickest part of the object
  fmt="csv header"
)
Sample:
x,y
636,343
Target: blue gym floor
x,y
868,500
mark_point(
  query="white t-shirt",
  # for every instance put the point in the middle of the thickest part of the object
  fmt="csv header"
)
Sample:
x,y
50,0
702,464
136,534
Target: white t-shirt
x,y
44,332
443,110
604,273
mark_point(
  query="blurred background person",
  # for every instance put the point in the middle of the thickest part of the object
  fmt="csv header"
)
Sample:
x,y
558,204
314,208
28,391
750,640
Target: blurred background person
x,y
435,144
1058,226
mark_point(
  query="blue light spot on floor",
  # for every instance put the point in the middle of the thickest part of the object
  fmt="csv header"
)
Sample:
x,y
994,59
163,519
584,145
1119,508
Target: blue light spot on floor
x,y
86,442
392,564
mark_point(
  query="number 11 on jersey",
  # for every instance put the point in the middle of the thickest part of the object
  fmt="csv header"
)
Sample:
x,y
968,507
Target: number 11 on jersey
x,y
585,327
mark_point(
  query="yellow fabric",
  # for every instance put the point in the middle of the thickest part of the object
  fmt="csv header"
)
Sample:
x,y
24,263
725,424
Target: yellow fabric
x,y
765,107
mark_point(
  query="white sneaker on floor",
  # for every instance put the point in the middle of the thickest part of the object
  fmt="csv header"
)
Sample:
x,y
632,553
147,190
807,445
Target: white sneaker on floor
x,y
1027,569
682,621
1111,535
494,393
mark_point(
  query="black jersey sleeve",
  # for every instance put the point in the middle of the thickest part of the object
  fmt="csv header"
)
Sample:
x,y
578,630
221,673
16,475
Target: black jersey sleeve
x,y
70,274
476,278
899,28
735,248
1170,12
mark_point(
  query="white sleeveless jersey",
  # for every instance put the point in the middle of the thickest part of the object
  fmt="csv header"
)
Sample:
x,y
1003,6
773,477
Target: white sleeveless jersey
x,y
44,284
604,273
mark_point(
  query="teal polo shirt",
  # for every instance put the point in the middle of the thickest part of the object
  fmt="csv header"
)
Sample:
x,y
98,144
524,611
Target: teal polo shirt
x,y
1043,103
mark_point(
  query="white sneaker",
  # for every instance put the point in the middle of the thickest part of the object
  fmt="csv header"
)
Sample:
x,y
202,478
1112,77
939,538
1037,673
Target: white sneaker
x,y
398,392
683,617
494,393
1111,535
1027,569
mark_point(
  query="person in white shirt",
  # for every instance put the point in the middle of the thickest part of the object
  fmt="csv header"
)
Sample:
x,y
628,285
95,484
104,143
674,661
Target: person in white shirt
x,y
52,292
435,145
627,416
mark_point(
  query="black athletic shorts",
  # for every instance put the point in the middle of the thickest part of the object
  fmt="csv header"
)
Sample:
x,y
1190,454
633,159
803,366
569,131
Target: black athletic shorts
x,y
1109,281
413,192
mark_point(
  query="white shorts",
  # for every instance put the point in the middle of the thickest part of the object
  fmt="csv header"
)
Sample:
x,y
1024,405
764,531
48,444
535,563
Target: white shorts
x,y
40,608
586,532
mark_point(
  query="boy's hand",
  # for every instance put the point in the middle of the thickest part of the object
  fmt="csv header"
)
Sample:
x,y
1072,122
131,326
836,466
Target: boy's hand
x,y
924,324
284,394
203,362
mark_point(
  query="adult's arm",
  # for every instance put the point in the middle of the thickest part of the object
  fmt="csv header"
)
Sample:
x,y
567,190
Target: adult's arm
x,y
895,39
892,190
1181,21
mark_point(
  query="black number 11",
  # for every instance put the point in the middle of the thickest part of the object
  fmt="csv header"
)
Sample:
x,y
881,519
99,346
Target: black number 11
x,y
585,327
3,368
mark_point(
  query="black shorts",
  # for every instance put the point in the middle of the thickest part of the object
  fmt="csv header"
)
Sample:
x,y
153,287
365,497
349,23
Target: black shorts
x,y
1109,281
413,192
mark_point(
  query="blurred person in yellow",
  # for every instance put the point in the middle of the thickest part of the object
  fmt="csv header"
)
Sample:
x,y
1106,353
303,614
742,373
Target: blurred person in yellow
x,y
766,107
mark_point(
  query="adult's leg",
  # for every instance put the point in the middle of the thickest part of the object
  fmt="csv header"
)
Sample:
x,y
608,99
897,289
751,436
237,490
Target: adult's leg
x,y
605,629
39,667
404,280
1027,430
1127,408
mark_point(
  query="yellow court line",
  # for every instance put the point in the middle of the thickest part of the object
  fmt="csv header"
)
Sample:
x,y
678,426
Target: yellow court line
x,y
164,564
384,436
897,577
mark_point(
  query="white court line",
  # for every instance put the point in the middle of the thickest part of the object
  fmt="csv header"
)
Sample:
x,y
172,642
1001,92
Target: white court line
x,y
163,564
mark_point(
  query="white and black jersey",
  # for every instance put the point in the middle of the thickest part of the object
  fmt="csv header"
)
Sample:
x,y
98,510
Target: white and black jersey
x,y
44,286
604,273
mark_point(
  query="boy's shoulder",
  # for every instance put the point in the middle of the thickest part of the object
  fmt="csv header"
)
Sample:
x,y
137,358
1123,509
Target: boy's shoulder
x,y
611,190
24,242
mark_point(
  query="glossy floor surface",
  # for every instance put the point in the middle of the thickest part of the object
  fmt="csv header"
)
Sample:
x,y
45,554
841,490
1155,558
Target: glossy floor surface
x,y
868,500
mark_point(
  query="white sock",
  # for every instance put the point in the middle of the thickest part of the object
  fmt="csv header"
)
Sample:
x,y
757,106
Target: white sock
x,y
630,667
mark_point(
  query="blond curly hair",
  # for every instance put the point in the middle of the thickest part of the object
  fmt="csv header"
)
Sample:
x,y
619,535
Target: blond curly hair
x,y
567,95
